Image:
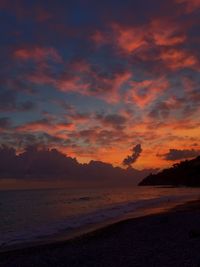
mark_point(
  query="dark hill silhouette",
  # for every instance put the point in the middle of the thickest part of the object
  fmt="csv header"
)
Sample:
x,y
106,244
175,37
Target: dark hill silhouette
x,y
185,173
51,163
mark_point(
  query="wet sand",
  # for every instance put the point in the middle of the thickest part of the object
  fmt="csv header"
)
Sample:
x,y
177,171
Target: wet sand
x,y
167,239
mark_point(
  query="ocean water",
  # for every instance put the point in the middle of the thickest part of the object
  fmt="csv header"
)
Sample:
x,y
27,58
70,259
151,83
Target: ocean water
x,y
36,215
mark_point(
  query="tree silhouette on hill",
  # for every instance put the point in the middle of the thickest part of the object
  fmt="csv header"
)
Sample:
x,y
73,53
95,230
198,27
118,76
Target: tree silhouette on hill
x,y
185,173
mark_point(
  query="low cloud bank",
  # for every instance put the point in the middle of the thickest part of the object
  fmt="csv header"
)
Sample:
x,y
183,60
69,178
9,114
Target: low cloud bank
x,y
178,154
51,163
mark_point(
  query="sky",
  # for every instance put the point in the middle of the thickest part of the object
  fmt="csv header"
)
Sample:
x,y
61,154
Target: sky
x,y
95,79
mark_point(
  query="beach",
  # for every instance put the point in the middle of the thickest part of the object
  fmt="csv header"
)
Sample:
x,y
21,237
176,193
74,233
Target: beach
x,y
167,239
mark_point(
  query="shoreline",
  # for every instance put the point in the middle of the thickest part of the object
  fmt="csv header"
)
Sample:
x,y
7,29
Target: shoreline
x,y
62,237
125,243
57,240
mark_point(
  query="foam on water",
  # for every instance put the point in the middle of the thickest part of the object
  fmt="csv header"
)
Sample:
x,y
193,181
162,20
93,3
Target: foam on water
x,y
73,222
36,215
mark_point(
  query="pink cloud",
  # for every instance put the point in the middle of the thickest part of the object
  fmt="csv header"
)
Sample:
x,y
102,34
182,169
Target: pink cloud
x,y
37,54
88,80
166,33
73,84
84,79
145,92
45,125
178,59
129,39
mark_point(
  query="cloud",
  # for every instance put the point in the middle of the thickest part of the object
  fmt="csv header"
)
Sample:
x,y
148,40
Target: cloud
x,y
163,109
20,140
93,82
176,154
35,162
45,125
129,39
179,59
114,120
142,93
85,79
113,58
9,102
37,54
5,123
26,106
129,160
98,137
138,39
166,33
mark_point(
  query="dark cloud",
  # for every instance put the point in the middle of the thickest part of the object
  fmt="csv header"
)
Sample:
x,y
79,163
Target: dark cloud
x,y
26,106
98,137
109,138
114,120
37,162
129,160
8,102
159,111
20,140
46,124
5,123
176,154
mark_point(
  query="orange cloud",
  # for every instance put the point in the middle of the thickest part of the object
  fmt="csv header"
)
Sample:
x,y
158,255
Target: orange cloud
x,y
178,59
90,83
145,92
116,84
45,126
84,79
166,33
37,54
129,39
160,32
73,84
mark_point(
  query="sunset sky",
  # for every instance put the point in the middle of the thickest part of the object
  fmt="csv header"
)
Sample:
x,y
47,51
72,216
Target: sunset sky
x,y
95,78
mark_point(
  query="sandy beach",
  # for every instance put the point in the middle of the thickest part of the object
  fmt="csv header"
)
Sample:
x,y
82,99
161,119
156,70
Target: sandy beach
x,y
167,239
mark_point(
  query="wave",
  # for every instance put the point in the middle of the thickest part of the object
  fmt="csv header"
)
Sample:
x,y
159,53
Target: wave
x,y
113,212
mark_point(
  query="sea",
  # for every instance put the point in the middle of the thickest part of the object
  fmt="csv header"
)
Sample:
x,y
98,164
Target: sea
x,y
44,215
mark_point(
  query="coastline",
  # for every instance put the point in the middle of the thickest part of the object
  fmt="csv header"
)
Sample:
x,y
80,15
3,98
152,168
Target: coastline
x,y
153,207
184,218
